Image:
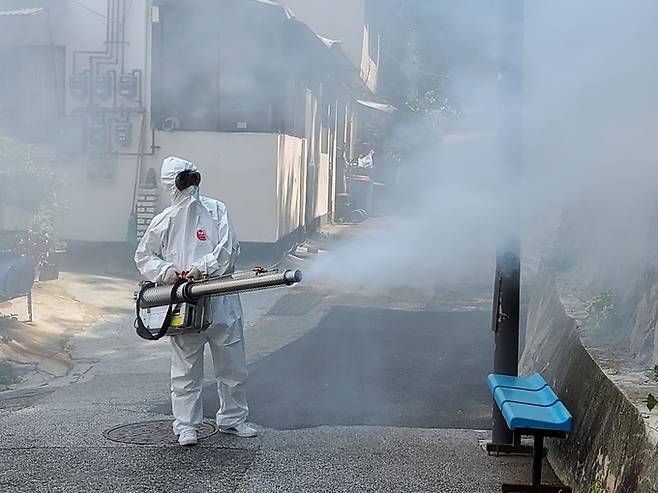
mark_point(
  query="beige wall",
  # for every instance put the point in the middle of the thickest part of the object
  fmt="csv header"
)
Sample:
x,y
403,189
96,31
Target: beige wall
x,y
291,184
322,191
95,210
258,176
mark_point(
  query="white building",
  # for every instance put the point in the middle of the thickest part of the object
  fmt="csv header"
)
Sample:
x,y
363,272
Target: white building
x,y
257,99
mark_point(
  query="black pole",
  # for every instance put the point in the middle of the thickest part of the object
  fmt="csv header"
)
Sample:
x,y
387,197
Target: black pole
x,y
506,327
508,259
537,459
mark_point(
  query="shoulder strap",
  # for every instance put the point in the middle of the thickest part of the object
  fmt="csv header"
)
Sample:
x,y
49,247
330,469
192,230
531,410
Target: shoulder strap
x,y
140,328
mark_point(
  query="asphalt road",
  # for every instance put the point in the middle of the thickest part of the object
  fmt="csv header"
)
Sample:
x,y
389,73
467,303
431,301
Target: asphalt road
x,y
384,395
376,367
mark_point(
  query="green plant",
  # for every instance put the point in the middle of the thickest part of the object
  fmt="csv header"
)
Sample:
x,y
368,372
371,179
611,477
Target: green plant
x,y
44,220
34,245
6,320
27,180
597,488
602,310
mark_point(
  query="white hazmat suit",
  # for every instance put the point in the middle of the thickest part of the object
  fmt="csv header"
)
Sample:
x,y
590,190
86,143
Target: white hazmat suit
x,y
194,231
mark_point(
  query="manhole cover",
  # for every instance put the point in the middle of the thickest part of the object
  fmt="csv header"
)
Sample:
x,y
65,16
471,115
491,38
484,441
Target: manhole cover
x,y
151,433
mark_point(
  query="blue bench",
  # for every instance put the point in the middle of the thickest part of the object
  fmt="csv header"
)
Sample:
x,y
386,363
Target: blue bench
x,y
531,408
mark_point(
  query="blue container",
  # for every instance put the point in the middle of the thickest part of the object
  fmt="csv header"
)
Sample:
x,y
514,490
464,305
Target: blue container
x,y
16,277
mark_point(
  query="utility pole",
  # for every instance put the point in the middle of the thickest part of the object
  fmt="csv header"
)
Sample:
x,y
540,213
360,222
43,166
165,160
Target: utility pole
x,y
505,323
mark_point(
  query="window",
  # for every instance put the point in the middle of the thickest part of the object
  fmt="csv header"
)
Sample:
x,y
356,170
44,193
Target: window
x,y
221,67
188,69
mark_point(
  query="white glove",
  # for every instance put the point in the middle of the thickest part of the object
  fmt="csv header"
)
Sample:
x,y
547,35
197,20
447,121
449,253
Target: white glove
x,y
194,273
170,276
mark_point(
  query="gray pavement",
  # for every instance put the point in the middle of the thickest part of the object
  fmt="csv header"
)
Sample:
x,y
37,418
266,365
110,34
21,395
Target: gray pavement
x,y
382,459
53,434
324,459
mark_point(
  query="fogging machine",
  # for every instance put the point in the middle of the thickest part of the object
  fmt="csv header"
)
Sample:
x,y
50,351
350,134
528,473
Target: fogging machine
x,y
185,307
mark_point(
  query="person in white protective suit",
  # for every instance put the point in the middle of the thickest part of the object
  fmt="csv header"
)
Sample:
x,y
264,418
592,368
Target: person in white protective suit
x,y
191,238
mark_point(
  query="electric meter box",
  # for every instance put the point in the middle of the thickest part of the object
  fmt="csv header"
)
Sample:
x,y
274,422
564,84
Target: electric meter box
x,y
128,86
123,133
79,86
102,86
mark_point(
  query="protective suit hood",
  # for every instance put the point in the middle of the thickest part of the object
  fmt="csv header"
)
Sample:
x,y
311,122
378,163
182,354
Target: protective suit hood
x,y
171,167
193,232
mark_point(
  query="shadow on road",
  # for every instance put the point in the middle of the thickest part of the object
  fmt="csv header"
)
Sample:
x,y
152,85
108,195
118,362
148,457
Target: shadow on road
x,y
364,366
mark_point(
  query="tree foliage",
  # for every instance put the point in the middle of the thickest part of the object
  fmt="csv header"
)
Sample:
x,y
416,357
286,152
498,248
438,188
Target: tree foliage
x,y
28,182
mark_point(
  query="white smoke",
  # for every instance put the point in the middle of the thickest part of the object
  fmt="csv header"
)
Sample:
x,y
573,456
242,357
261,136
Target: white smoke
x,y
590,147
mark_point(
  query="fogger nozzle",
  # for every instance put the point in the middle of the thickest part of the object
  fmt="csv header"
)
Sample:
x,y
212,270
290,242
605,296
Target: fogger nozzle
x,y
238,282
293,276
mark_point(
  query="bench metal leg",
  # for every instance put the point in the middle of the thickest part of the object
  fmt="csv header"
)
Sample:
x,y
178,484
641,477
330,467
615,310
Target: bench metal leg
x,y
515,448
537,458
537,463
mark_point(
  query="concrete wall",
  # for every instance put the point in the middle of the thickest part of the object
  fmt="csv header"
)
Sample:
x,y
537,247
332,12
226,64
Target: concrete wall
x,y
258,176
24,29
100,210
81,26
96,209
612,444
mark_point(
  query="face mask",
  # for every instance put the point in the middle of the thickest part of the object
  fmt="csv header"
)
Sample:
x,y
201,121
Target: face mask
x,y
189,191
186,179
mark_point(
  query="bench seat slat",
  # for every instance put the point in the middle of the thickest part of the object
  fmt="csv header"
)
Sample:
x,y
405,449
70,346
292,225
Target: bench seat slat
x,y
533,382
544,397
553,418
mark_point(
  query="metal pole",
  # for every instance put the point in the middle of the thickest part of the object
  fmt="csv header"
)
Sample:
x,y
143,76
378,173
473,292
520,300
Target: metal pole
x,y
508,260
506,336
537,459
